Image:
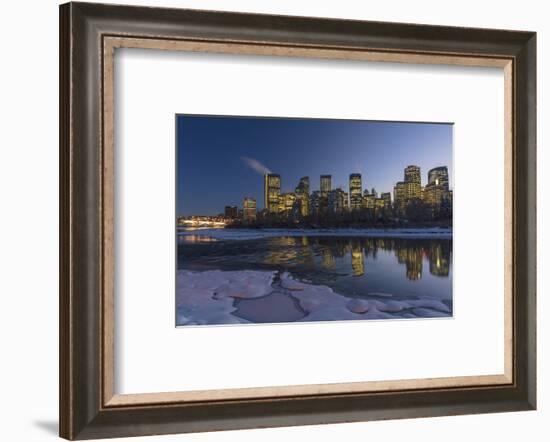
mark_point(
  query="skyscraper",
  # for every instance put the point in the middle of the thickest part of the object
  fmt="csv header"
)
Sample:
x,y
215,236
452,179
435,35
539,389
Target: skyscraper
x,y
355,191
400,196
286,202
272,190
302,196
439,176
326,185
249,209
413,183
346,202
436,192
435,195
315,203
386,196
412,174
369,201
303,185
336,200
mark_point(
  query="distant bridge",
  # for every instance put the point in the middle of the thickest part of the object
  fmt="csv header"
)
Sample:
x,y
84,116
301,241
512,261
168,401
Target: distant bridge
x,y
201,223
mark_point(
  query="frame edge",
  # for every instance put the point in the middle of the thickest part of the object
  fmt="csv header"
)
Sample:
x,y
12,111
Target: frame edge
x,y
93,421
65,392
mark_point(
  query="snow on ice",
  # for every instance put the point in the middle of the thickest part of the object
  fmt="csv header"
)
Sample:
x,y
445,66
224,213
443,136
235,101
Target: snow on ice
x,y
208,297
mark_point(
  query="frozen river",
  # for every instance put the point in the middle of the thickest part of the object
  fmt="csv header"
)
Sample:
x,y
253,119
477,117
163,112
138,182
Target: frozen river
x,y
227,277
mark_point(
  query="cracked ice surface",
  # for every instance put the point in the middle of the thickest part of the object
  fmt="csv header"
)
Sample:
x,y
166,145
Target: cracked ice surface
x,y
208,297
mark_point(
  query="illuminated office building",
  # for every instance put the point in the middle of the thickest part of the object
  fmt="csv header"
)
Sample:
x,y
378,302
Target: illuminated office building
x,y
412,174
355,192
379,204
369,200
386,196
412,182
302,204
315,202
336,200
272,190
346,202
249,209
286,202
326,185
439,176
400,196
433,194
303,185
302,196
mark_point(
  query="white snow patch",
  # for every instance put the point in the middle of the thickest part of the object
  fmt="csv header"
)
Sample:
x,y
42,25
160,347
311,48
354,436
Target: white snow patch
x,y
207,297
323,304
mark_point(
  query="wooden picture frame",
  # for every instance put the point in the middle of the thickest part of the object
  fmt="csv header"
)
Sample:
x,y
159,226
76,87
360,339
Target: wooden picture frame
x,y
89,34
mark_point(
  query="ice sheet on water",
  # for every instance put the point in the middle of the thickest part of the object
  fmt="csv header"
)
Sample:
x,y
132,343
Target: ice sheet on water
x,y
207,297
322,303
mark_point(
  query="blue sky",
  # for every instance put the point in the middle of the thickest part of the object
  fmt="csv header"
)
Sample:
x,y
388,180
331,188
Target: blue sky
x,y
214,154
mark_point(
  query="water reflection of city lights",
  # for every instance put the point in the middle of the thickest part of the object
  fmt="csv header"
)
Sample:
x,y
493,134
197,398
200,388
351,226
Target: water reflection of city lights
x,y
410,253
197,239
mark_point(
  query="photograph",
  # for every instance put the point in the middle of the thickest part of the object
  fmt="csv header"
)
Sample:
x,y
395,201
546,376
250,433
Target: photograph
x,y
284,220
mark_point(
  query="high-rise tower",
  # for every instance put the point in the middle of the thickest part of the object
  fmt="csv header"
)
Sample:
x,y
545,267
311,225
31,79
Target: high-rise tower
x,y
326,185
439,176
355,192
272,190
249,209
302,195
412,182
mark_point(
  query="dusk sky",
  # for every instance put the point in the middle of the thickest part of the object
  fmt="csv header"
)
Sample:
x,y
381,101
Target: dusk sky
x,y
219,158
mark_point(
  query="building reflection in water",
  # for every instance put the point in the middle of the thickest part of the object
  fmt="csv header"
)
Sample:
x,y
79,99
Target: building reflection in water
x,y
412,258
328,260
408,252
357,259
439,255
287,250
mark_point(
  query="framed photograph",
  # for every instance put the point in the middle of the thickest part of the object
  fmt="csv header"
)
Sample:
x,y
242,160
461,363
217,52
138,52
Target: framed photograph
x,y
271,221
254,249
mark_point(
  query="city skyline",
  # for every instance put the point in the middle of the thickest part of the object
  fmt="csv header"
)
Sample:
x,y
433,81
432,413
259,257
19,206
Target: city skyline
x,y
410,202
216,166
410,185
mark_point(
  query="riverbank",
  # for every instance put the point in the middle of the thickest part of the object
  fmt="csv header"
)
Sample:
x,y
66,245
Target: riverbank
x,y
248,234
